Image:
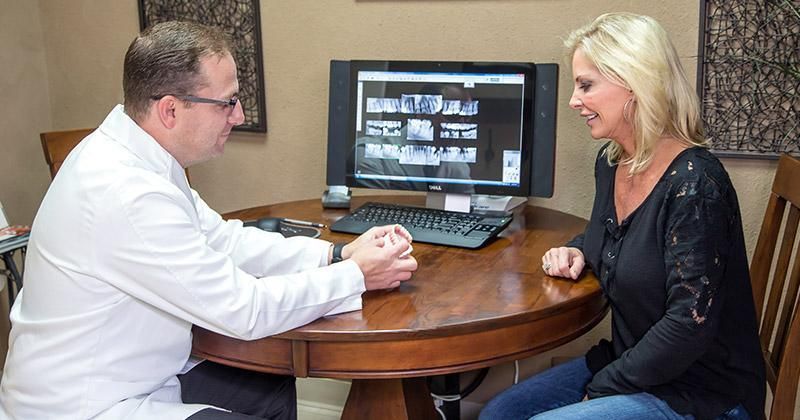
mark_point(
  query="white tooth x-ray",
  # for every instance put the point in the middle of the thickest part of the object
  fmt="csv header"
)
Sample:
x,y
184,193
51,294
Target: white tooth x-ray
x,y
459,131
383,128
419,129
451,107
419,155
469,108
383,105
381,151
420,104
390,151
456,107
372,150
459,154
374,105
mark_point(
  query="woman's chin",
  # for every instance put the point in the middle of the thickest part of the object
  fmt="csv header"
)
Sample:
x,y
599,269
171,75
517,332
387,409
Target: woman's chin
x,y
597,136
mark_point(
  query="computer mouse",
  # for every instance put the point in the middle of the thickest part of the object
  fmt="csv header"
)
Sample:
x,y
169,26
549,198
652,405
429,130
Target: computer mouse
x,y
269,224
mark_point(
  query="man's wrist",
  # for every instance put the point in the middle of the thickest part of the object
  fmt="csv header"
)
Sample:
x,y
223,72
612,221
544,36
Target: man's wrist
x,y
347,250
336,255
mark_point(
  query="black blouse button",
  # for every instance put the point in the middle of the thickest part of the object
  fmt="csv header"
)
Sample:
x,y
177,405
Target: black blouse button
x,y
611,255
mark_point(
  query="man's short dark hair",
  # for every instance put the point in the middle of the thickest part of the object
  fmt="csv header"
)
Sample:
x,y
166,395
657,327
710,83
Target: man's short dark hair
x,y
165,60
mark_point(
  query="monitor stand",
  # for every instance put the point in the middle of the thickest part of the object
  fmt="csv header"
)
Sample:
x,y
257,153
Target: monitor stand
x,y
496,203
466,203
448,201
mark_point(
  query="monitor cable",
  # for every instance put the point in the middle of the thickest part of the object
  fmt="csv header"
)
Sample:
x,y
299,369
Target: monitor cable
x,y
441,398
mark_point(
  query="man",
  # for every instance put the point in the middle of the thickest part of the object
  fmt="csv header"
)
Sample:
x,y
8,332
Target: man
x,y
124,258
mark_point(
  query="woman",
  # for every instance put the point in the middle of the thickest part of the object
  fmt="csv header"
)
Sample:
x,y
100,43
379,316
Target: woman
x,y
665,239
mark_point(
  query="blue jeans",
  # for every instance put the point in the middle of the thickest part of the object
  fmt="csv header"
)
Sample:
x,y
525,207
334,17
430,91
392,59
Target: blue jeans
x,y
557,394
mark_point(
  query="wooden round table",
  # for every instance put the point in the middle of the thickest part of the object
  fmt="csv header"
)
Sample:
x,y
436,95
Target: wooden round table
x,y
462,310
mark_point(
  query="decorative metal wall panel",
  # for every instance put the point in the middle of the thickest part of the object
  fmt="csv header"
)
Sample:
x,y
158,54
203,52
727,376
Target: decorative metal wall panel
x,y
749,76
242,20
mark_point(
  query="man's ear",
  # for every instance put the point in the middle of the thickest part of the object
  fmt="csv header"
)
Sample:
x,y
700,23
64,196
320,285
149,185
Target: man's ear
x,y
166,111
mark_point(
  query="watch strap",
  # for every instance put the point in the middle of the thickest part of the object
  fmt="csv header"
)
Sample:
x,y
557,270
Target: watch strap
x,y
337,252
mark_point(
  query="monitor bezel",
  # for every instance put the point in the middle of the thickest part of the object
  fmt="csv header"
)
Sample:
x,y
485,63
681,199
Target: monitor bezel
x,y
527,69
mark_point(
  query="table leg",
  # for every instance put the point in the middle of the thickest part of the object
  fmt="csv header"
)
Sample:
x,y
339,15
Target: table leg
x,y
407,398
13,276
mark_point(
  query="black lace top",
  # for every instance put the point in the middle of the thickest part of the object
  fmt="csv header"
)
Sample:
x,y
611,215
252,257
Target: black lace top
x,y
675,272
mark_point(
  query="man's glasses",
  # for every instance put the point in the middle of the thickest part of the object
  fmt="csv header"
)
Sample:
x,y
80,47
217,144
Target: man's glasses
x,y
196,99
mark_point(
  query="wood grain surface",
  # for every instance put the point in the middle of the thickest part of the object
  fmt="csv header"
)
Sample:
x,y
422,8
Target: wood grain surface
x,y
462,310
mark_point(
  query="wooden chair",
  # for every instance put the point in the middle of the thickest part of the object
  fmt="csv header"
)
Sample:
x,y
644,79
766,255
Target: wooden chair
x,y
780,319
58,144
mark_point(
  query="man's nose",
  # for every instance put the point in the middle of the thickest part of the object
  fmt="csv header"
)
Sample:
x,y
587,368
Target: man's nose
x,y
237,116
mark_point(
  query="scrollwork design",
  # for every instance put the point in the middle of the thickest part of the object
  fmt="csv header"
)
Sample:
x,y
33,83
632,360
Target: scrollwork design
x,y
239,18
749,76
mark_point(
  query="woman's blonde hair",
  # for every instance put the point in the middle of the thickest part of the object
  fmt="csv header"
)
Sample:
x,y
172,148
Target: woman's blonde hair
x,y
635,52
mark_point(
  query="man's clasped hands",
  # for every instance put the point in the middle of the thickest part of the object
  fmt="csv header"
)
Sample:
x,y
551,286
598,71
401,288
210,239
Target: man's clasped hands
x,y
383,254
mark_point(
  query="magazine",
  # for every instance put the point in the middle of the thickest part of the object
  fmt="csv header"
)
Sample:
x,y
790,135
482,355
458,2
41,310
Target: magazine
x,y
13,232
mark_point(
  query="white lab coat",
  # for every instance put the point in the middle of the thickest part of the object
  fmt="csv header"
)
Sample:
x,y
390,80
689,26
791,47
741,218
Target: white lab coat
x,y
123,258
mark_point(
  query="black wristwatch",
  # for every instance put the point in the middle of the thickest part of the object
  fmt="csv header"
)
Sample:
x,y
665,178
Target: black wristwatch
x,y
337,252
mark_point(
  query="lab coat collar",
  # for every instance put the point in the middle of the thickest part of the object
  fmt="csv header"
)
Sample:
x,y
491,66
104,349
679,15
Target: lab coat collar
x,y
123,129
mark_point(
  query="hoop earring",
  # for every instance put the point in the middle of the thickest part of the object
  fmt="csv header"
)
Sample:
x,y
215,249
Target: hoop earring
x,y
625,110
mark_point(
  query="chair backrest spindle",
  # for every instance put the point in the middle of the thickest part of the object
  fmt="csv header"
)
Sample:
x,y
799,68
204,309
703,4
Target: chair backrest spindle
x,y
779,319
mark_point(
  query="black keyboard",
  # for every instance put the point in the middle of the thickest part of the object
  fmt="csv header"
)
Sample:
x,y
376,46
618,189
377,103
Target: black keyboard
x,y
465,230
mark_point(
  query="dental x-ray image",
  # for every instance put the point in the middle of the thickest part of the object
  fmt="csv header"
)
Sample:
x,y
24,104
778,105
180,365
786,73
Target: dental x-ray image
x,y
420,130
459,154
469,108
443,135
456,107
459,131
383,128
419,155
420,104
381,151
383,105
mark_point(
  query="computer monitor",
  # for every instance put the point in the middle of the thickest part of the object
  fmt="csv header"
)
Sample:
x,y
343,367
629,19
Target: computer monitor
x,y
445,127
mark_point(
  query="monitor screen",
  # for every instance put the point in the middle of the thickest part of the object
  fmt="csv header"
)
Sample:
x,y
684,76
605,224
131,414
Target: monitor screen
x,y
451,127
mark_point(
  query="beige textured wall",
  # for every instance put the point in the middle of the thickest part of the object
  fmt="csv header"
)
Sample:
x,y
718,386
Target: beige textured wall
x,y
85,41
25,110
62,69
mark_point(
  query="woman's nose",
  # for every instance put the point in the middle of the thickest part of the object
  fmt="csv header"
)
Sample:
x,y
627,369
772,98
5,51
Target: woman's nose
x,y
574,102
